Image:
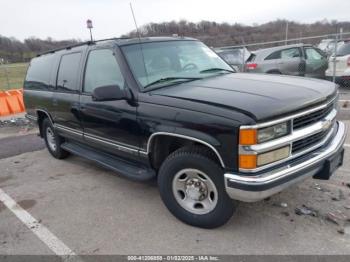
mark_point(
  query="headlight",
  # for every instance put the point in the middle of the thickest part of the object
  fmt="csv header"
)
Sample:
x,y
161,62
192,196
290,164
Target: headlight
x,y
251,136
273,156
273,132
255,136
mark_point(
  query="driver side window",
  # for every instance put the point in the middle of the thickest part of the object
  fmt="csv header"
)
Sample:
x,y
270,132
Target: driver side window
x,y
102,69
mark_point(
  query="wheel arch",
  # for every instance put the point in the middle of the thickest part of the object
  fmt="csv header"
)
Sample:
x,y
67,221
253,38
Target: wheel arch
x,y
41,115
201,141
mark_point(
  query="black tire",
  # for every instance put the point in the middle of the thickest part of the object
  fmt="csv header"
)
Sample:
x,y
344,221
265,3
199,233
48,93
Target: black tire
x,y
203,160
56,152
274,72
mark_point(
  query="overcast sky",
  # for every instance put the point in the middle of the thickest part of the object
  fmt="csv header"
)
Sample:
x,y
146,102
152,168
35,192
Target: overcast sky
x,y
65,19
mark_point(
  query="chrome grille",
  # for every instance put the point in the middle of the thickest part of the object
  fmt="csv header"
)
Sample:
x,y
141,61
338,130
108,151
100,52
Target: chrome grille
x,y
308,142
312,118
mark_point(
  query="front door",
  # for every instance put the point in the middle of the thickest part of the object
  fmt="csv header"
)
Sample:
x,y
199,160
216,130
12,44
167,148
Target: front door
x,y
316,63
108,125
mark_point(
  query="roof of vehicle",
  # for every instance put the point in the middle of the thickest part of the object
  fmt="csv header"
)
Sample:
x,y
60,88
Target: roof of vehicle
x,y
276,48
122,42
327,40
129,41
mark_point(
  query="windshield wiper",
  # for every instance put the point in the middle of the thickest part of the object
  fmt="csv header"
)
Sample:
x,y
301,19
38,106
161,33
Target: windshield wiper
x,y
209,70
167,79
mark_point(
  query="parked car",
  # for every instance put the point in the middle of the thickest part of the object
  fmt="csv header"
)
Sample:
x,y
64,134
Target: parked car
x,y
328,45
170,109
297,60
235,57
342,65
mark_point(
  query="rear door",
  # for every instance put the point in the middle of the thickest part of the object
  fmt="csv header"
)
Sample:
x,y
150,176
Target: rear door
x,y
66,96
316,62
290,62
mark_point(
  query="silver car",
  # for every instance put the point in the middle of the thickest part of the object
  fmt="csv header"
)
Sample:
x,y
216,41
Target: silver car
x,y
297,60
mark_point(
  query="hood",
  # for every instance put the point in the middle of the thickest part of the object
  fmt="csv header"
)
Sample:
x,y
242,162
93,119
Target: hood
x,y
259,96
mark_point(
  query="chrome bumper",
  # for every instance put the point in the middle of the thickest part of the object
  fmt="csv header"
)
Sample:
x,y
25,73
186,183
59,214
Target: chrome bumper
x,y
251,188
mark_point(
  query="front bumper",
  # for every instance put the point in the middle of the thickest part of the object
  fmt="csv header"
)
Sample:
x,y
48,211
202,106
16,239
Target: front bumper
x,y
253,188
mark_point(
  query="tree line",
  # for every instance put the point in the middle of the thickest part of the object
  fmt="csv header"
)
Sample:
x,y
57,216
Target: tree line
x,y
12,50
212,33
223,34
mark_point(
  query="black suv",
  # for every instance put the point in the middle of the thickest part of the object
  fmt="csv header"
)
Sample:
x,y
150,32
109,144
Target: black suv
x,y
170,108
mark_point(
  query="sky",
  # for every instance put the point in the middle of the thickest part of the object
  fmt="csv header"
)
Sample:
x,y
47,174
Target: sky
x,y
66,19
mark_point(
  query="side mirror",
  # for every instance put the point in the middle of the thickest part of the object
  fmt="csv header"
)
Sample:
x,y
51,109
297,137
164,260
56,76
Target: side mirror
x,y
108,93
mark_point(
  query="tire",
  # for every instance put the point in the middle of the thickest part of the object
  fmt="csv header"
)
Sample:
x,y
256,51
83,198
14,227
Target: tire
x,y
274,72
53,141
179,192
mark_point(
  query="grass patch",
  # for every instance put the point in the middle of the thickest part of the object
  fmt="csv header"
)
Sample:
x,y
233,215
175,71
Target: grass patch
x,y
12,75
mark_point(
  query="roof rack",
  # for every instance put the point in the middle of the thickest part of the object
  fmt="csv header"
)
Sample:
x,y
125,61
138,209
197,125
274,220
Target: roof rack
x,y
79,44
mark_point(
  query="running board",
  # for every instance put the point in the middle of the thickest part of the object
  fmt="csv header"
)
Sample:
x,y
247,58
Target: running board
x,y
122,167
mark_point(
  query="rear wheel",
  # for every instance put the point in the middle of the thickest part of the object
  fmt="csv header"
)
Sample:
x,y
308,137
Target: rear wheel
x,y
192,187
53,140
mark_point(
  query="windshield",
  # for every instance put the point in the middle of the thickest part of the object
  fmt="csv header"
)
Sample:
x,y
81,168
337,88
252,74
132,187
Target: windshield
x,y
344,50
163,63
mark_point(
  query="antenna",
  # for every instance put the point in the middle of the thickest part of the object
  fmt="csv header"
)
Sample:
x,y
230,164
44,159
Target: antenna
x,y
139,37
133,15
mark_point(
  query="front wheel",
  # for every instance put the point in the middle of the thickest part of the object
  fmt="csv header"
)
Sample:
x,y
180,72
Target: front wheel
x,y
192,187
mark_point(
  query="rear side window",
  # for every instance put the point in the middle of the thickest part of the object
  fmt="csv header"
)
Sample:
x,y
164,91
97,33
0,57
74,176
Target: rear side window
x,y
102,69
39,71
274,55
68,72
290,53
284,54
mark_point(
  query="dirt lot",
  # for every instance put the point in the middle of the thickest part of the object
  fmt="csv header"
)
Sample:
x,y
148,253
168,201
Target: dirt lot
x,y
89,210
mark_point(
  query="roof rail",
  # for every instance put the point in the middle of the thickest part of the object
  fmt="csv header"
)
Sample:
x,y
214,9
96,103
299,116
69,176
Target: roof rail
x,y
79,44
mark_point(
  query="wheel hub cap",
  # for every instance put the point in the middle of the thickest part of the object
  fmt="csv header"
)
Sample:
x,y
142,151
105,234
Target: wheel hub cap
x,y
194,191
